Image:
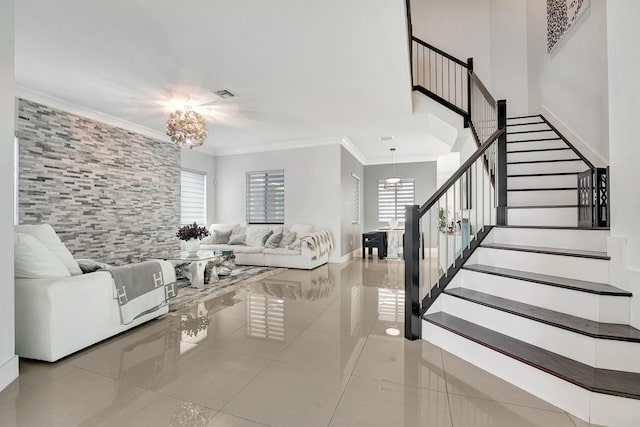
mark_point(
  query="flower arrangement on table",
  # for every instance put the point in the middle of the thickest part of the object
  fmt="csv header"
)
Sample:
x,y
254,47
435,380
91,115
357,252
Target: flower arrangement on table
x,y
192,234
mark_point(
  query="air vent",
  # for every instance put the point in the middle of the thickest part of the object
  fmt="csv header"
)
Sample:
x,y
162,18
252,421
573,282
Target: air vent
x,y
225,94
386,138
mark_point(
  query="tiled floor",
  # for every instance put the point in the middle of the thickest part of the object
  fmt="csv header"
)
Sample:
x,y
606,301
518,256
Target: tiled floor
x,y
319,348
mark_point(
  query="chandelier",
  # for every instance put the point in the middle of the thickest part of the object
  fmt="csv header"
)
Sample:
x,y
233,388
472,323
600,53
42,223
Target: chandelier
x,y
393,180
187,128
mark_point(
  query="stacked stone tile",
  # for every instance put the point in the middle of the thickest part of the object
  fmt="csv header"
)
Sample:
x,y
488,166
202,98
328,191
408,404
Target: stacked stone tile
x,y
103,189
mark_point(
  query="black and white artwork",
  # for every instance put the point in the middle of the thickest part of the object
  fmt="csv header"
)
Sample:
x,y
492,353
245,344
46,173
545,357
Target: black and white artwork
x,y
561,15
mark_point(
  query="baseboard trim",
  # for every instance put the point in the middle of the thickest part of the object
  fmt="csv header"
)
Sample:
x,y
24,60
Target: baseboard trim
x,y
573,137
8,372
347,257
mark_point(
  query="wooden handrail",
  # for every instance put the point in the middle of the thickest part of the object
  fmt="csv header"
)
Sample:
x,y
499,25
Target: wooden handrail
x,y
438,51
483,88
461,171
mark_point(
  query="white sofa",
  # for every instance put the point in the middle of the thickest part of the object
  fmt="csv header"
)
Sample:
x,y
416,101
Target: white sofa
x,y
300,256
57,316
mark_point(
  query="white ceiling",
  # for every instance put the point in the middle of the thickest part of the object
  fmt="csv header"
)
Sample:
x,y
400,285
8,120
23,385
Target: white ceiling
x,y
304,70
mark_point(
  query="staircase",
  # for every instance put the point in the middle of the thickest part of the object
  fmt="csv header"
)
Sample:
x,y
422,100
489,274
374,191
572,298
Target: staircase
x,y
526,294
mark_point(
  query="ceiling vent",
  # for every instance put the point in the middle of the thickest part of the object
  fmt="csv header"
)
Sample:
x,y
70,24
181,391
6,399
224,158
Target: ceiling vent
x,y
386,138
225,94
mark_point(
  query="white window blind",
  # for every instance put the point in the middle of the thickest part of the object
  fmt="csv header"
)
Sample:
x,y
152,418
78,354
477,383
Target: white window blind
x,y
193,197
355,199
392,200
265,197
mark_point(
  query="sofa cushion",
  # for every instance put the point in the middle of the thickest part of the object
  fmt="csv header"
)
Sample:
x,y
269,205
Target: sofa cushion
x,y
221,237
288,237
238,239
32,259
247,249
281,251
223,227
257,235
273,241
48,237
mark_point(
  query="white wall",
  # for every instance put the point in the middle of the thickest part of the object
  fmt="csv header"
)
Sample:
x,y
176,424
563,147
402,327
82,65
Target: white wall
x,y
571,82
623,35
351,234
8,359
201,162
312,187
492,32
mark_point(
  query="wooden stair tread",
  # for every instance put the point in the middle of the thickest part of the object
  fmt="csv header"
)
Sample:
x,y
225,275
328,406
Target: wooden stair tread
x,y
539,122
579,325
552,227
524,162
524,117
543,189
533,140
606,381
542,206
546,279
538,150
521,175
549,251
529,131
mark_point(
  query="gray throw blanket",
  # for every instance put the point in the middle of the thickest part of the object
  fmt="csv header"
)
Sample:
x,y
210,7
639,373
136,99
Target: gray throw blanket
x,y
140,289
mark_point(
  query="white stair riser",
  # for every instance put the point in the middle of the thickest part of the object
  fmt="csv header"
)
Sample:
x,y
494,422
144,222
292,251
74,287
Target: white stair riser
x,y
532,135
600,308
570,344
595,270
536,145
542,198
545,167
540,155
588,240
551,181
566,396
529,124
560,217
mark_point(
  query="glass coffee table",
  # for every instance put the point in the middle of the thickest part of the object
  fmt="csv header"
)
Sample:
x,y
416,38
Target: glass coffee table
x,y
223,262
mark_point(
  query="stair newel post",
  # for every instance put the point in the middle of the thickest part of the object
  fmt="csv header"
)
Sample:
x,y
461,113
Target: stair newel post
x,y
501,178
412,322
469,88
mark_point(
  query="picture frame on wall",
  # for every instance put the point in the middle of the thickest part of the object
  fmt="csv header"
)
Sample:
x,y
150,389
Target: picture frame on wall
x,y
561,16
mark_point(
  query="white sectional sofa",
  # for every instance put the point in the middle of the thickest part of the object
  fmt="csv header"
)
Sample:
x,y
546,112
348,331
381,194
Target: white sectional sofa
x,y
58,309
297,254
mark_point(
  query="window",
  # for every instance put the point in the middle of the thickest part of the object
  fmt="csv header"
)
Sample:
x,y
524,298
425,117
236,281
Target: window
x,y
193,197
392,200
265,197
355,199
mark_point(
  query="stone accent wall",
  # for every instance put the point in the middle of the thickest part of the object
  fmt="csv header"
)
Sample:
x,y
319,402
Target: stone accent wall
x,y
103,189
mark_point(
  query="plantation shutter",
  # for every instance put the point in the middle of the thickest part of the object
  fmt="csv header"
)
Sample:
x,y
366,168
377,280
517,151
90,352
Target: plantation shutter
x,y
393,199
193,199
355,199
265,197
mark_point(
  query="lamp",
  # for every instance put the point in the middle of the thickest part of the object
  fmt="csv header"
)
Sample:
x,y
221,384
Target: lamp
x,y
392,180
187,128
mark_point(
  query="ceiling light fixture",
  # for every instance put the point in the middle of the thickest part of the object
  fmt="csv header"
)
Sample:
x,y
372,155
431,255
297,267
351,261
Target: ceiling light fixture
x,y
187,128
393,180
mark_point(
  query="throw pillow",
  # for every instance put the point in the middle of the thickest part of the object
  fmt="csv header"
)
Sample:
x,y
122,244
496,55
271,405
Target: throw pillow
x,y
237,239
32,259
89,265
256,235
273,241
266,237
48,237
288,237
221,237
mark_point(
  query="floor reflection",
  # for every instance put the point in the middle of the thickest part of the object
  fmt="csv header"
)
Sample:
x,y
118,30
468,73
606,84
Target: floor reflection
x,y
321,347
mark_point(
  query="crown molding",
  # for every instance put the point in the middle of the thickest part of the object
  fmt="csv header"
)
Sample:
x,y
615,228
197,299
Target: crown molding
x,y
348,145
279,146
80,110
